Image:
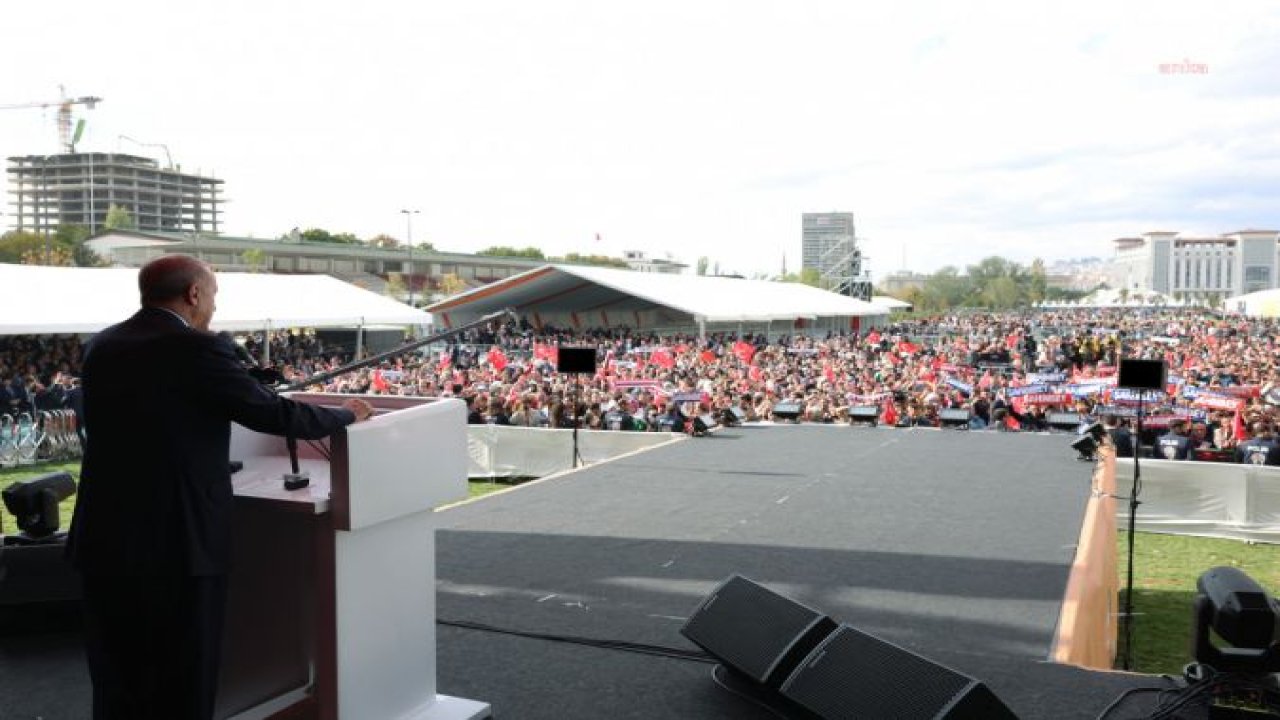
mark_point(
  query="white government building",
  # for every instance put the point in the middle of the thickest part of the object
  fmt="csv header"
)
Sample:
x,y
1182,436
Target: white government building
x,y
1197,268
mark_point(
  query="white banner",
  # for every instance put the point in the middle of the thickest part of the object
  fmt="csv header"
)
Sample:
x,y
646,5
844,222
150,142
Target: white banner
x,y
1185,497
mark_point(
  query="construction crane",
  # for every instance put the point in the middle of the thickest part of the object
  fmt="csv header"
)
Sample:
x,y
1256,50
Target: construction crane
x,y
64,115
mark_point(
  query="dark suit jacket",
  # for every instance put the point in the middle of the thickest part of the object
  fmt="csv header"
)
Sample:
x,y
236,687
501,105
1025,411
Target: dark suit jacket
x,y
155,489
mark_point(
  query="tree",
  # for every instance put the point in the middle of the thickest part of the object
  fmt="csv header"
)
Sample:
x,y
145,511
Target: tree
x,y
255,258
601,260
324,236
451,284
384,241
15,243
1038,283
703,262
54,255
507,251
118,218
396,287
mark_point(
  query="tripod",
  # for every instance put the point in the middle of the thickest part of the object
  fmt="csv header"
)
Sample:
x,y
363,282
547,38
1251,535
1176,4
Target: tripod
x,y
574,418
1127,612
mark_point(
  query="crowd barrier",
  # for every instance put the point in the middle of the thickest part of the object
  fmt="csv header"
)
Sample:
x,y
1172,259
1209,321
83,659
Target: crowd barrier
x,y
505,451
1222,500
26,439
1087,623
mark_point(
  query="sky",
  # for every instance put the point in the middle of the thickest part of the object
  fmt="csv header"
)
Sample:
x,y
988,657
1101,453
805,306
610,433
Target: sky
x,y
952,130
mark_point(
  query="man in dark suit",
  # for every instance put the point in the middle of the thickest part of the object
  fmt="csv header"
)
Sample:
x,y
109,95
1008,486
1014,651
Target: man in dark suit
x,y
151,533
1121,438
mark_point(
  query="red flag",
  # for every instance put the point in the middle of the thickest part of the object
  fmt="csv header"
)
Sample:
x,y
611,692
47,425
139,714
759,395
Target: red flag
x,y
379,382
496,358
828,372
873,337
908,347
890,414
663,357
707,356
1238,430
744,351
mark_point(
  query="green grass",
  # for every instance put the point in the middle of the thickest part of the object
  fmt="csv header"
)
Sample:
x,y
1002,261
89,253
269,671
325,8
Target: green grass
x,y
1165,569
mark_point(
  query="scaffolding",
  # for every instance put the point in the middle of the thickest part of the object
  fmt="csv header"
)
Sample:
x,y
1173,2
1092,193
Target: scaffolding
x,y
831,248
47,191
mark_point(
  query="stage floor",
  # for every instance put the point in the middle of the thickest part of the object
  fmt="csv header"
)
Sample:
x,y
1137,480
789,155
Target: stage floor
x,y
955,545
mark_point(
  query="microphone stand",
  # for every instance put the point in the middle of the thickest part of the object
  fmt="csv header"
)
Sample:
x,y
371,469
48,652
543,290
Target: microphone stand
x,y
297,479
360,364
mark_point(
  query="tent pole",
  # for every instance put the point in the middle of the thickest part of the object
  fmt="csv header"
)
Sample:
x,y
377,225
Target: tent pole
x,y
702,328
266,345
359,341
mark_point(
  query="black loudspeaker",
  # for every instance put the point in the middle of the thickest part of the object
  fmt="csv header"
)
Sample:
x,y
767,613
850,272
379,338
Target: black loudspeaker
x,y
755,631
851,674
864,413
733,416
787,410
1064,420
576,360
702,423
1142,375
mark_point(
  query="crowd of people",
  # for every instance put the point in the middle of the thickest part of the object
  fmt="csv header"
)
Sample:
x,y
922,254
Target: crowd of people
x,y
1007,371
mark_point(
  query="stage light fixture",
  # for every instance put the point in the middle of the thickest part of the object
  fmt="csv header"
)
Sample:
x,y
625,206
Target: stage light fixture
x,y
34,503
1243,614
1087,448
869,414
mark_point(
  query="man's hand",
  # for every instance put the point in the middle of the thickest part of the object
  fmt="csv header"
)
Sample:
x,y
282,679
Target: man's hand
x,y
360,408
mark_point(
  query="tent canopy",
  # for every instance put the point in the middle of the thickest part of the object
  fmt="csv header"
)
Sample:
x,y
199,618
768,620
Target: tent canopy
x,y
51,300
564,289
1263,303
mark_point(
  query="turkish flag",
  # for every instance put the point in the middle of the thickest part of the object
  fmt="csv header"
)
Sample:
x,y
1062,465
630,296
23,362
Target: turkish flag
x,y
745,351
663,357
497,359
890,414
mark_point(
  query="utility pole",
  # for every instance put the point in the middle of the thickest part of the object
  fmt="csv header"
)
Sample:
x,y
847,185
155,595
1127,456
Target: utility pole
x,y
408,218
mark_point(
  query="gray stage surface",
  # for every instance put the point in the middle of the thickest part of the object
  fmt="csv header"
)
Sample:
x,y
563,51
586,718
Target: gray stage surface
x,y
955,545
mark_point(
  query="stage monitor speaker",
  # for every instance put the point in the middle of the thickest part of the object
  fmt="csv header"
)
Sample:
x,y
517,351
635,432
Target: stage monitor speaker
x,y
864,413
703,423
733,416
1064,420
954,417
855,675
1142,375
755,631
576,360
787,410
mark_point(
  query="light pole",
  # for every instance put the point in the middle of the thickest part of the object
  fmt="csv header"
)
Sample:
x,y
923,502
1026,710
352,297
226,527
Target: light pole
x,y
408,219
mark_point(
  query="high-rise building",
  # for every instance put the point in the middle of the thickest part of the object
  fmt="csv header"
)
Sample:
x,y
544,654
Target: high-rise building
x,y
46,191
830,246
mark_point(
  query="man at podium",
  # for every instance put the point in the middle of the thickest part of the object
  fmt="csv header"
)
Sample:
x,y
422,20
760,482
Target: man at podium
x,y
151,532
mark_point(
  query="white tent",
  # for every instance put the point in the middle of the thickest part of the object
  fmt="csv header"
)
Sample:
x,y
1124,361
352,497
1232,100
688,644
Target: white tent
x,y
1263,303
52,300
606,297
891,303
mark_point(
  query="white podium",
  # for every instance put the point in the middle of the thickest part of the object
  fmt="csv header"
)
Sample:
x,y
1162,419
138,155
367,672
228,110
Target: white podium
x,y
331,609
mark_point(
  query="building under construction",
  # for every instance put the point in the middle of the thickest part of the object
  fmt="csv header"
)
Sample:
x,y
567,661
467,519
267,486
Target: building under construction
x,y
79,188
